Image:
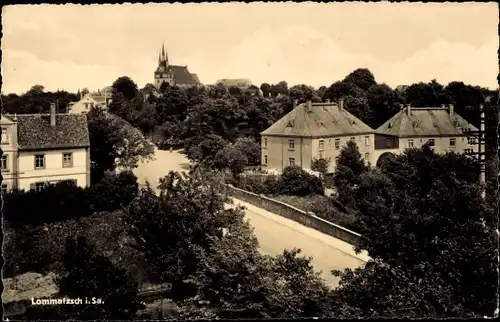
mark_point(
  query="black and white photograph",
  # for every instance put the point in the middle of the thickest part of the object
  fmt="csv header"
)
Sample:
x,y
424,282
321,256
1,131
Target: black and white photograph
x,y
259,160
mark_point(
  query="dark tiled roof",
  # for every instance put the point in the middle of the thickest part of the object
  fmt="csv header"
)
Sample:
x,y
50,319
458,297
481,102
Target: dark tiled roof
x,y
325,119
196,78
182,75
34,131
427,121
238,82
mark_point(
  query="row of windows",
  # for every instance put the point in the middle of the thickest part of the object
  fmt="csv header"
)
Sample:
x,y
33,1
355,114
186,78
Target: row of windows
x,y
291,143
39,186
432,142
40,161
291,161
67,160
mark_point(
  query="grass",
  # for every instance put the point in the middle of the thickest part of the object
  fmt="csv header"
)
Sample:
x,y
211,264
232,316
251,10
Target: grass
x,y
40,249
322,206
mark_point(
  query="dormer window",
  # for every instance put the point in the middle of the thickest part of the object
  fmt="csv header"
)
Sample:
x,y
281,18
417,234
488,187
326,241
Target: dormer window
x,y
290,123
390,125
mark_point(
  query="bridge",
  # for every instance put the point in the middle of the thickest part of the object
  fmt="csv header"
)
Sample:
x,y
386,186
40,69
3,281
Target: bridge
x,y
274,232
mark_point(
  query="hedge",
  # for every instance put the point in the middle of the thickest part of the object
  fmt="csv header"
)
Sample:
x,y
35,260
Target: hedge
x,y
65,200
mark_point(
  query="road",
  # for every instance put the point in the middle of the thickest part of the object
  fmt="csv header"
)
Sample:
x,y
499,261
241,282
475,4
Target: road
x,y
275,233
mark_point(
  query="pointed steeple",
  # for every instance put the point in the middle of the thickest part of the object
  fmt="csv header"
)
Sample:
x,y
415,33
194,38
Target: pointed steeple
x,y
159,58
163,51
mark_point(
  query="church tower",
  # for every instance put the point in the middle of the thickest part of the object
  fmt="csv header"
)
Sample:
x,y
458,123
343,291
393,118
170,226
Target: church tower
x,y
163,73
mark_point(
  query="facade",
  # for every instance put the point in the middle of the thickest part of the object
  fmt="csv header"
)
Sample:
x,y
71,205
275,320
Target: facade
x,y
173,74
313,130
441,127
9,153
45,149
99,99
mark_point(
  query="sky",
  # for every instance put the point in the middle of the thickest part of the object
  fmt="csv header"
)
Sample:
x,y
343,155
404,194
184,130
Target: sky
x,y
70,47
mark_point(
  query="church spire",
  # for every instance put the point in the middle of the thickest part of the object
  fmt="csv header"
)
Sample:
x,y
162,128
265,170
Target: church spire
x,y
163,51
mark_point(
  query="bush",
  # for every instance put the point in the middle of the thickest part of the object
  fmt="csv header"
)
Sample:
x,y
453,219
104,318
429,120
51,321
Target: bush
x,y
296,181
113,192
65,200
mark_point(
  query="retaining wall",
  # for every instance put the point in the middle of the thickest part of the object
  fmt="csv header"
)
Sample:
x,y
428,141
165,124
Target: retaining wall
x,y
308,219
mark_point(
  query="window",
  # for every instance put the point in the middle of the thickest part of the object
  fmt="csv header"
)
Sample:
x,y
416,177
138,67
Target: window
x,y
4,188
265,142
367,156
431,142
5,162
39,186
265,159
39,161
337,144
410,143
388,143
452,142
336,160
291,161
353,139
86,105
367,140
69,181
321,144
5,139
291,144
67,160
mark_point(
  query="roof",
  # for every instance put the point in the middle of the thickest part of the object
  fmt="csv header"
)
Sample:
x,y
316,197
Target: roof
x,y
34,131
99,98
242,82
425,121
196,78
323,119
182,75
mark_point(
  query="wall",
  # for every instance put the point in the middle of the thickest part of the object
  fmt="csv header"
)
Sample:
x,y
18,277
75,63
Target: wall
x,y
53,167
441,144
331,152
79,107
9,148
278,152
308,219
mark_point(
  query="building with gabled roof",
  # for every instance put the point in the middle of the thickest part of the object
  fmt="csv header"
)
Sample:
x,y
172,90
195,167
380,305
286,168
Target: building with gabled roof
x,y
173,74
313,130
100,99
413,127
47,148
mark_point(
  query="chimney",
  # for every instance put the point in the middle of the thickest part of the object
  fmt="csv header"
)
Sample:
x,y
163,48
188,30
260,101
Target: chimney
x,y
408,109
451,109
341,103
295,102
327,100
52,114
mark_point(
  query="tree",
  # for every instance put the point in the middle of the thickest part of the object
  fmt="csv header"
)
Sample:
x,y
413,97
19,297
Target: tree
x,y
85,91
434,234
125,86
36,90
320,164
106,292
362,78
114,143
384,103
232,158
350,157
92,276
304,93
296,181
266,89
250,149
211,257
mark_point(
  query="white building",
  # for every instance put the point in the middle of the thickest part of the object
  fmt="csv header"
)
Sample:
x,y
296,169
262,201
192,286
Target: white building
x,y
42,149
99,99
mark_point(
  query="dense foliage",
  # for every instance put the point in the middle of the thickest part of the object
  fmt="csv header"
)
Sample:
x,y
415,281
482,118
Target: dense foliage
x,y
432,239
91,277
210,256
64,200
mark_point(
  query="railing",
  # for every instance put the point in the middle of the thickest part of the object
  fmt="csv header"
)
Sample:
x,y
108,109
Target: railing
x,y
308,219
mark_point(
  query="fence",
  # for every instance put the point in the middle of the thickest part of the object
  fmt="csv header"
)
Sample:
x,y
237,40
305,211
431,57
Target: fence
x,y
308,219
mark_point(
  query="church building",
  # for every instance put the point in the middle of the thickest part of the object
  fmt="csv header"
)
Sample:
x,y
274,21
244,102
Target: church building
x,y
173,74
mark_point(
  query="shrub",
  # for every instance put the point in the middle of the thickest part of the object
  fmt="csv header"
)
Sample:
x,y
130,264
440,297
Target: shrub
x,y
113,192
65,200
296,181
